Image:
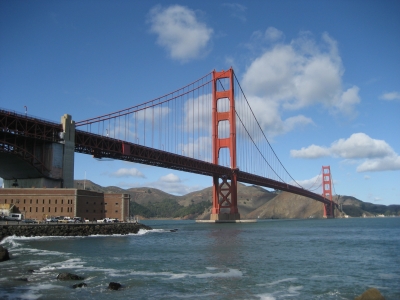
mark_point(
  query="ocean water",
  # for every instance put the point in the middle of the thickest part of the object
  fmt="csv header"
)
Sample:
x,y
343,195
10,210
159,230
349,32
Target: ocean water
x,y
270,259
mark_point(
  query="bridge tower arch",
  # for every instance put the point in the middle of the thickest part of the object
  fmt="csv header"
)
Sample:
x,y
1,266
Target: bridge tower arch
x,y
327,191
224,187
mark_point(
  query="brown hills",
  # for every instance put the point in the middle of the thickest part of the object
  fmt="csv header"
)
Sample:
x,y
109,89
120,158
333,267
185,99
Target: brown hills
x,y
253,202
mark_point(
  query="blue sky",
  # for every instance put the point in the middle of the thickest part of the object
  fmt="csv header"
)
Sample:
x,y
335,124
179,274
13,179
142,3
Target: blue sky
x,y
323,76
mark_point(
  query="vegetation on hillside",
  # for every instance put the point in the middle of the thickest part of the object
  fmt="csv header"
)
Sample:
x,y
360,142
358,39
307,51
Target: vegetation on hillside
x,y
168,208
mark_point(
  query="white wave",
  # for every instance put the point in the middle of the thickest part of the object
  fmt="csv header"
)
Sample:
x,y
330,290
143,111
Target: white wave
x,y
266,296
230,273
172,276
73,263
278,282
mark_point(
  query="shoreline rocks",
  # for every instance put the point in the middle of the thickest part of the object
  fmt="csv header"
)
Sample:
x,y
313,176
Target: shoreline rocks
x,y
81,229
4,255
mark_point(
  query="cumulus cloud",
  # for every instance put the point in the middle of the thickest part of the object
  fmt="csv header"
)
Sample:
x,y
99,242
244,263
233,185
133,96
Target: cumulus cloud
x,y
180,32
372,154
295,75
124,172
390,96
312,151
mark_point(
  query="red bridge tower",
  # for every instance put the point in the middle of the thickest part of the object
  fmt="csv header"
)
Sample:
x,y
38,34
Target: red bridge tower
x,y
224,191
327,192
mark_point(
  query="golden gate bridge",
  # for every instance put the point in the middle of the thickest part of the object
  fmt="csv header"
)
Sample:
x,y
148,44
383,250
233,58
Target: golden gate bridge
x,y
206,127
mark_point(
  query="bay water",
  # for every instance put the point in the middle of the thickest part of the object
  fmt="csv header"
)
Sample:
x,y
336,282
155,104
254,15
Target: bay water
x,y
270,259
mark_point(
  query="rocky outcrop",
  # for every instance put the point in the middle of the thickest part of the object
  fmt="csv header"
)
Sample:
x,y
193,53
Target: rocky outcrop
x,y
79,285
4,255
68,276
370,294
70,229
114,286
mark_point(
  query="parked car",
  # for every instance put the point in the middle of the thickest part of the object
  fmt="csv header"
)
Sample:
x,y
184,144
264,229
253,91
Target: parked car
x,y
29,221
51,219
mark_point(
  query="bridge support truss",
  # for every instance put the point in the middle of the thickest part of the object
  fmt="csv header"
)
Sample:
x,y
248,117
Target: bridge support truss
x,y
327,192
224,187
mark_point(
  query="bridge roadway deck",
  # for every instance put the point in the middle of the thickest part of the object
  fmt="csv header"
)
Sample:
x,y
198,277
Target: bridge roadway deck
x,y
15,127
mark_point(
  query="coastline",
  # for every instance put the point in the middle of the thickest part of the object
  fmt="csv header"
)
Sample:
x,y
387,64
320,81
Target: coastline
x,y
65,229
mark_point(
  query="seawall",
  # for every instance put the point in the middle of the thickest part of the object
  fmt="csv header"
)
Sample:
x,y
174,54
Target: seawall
x,y
70,229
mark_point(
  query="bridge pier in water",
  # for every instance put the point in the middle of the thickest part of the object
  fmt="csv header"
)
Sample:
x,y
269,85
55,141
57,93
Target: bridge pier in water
x,y
224,191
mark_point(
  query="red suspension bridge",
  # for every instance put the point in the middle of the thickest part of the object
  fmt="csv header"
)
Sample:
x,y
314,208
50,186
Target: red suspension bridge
x,y
206,127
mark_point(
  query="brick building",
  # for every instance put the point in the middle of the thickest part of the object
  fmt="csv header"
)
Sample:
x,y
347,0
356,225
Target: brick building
x,y
41,203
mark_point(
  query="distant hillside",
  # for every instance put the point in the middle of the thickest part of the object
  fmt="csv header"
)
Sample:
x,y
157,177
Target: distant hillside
x,y
253,202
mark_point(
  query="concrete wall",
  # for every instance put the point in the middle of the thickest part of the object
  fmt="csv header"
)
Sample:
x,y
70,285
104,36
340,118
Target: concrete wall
x,y
69,150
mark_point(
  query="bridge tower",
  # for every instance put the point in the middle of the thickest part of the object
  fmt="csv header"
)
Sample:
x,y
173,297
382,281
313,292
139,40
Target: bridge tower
x,y
327,192
224,187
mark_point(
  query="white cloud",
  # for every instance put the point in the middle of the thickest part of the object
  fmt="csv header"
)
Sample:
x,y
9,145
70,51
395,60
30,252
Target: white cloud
x,y
389,163
376,155
237,10
273,34
170,178
360,145
390,96
296,75
366,177
310,184
180,32
312,151
124,172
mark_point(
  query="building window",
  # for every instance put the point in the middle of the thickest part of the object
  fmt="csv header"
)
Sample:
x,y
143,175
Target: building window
x,y
116,203
55,209
105,211
105,203
49,209
42,209
62,201
61,209
12,201
49,201
31,201
87,211
5,201
56,201
36,209
30,209
43,201
116,211
24,201
37,201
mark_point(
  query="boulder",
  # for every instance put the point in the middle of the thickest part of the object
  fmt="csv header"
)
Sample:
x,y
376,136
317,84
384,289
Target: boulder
x,y
114,286
68,276
79,285
4,255
370,294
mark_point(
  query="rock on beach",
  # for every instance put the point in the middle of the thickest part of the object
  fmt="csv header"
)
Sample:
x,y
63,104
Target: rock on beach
x,y
4,255
370,294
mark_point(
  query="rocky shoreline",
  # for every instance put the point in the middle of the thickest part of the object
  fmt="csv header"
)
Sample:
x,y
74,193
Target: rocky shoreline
x,y
70,229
